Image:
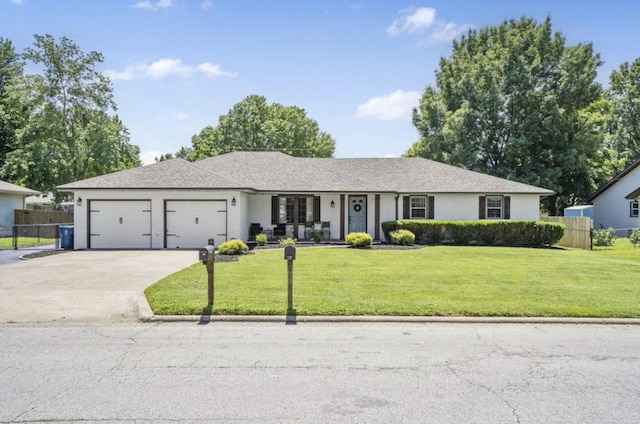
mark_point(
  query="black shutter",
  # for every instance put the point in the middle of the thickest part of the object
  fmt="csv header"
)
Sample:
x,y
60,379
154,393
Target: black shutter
x,y
316,208
431,205
274,210
406,213
482,210
507,207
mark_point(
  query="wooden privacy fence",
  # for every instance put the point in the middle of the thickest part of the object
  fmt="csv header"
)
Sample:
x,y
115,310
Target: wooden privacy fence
x,y
23,217
577,231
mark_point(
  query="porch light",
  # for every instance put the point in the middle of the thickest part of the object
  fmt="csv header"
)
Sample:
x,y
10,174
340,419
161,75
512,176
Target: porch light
x,y
333,204
79,202
233,201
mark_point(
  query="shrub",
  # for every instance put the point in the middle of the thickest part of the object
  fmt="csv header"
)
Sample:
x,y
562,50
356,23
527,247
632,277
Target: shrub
x,y
402,237
286,241
316,236
261,239
604,237
634,237
359,240
491,232
233,247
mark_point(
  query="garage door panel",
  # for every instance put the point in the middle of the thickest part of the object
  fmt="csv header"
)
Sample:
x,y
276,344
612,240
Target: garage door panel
x,y
120,224
190,223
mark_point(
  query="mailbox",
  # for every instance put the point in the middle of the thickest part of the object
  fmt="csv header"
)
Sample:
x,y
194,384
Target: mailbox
x,y
206,253
290,252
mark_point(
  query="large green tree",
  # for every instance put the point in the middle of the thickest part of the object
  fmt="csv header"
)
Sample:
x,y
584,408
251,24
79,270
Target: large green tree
x,y
254,125
70,132
510,101
624,93
11,69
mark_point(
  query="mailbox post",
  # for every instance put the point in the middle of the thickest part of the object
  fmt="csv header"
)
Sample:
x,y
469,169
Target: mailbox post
x,y
290,256
206,255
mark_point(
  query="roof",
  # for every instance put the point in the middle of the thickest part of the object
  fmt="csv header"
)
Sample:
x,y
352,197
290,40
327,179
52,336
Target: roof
x,y
6,187
633,195
278,172
614,180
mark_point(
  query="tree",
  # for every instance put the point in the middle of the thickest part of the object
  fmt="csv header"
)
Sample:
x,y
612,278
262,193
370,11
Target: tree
x,y
11,69
69,133
624,93
253,125
509,102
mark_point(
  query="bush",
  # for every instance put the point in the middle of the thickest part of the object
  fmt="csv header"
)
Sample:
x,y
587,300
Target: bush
x,y
233,247
402,237
359,240
604,237
490,232
261,239
287,241
634,237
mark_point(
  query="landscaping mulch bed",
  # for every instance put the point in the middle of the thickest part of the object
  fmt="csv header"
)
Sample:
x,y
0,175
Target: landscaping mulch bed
x,y
43,253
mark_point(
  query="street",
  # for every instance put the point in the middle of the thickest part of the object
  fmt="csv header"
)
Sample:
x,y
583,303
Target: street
x,y
319,373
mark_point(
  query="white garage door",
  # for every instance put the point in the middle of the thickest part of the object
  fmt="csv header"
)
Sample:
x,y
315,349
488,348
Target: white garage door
x,y
120,224
190,223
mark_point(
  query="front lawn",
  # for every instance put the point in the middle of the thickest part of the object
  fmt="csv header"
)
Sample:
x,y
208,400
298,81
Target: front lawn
x,y
7,242
433,280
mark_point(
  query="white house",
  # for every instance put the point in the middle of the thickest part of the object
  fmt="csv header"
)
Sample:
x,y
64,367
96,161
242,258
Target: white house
x,y
180,204
615,204
11,197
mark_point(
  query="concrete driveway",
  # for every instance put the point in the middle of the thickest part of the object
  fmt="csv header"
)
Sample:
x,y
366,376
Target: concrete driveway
x,y
84,286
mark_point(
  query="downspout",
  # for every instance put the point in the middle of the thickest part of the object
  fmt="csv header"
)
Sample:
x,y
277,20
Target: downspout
x,y
397,197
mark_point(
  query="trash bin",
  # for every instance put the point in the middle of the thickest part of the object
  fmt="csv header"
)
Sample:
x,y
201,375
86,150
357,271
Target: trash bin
x,y
66,236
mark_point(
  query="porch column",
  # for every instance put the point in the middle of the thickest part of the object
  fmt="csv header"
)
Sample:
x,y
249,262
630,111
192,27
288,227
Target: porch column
x,y
342,209
377,217
296,209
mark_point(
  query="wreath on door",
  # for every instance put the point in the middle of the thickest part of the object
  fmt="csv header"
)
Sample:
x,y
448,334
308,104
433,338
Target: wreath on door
x,y
357,208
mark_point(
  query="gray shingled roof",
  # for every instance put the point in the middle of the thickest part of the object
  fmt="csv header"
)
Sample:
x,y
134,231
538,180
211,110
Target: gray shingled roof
x,y
6,187
277,172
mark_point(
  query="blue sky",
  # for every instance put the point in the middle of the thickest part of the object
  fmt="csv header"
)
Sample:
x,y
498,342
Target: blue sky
x,y
356,66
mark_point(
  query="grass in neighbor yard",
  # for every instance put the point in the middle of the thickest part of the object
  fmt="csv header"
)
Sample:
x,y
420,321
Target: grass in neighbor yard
x,y
433,280
7,242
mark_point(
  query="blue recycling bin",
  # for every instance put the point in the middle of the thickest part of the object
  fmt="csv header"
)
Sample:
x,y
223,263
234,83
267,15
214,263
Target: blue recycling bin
x,y
66,236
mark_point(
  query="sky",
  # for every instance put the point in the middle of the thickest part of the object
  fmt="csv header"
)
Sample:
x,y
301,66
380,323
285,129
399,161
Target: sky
x,y
357,67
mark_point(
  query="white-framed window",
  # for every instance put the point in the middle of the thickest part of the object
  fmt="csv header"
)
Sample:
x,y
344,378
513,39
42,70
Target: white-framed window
x,y
287,208
418,207
634,208
494,207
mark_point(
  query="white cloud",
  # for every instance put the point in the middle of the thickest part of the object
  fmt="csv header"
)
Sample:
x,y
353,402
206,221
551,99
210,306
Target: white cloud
x,y
149,157
165,67
180,116
149,5
214,70
412,20
447,31
206,5
17,1
388,107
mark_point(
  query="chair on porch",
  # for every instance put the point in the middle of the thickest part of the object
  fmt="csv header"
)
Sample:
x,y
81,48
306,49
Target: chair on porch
x,y
279,230
308,230
326,230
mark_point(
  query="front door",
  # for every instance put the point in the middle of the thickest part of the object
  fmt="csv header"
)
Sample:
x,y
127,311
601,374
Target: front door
x,y
357,214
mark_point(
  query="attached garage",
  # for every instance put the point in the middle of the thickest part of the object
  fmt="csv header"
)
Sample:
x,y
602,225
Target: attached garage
x,y
190,223
119,224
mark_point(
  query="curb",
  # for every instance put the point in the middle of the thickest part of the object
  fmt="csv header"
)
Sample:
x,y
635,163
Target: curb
x,y
145,314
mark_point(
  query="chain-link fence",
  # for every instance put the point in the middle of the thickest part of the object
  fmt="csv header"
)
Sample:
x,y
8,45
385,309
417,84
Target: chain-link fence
x,y
36,235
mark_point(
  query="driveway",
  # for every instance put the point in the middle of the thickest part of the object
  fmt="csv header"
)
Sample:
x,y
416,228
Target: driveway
x,y
84,286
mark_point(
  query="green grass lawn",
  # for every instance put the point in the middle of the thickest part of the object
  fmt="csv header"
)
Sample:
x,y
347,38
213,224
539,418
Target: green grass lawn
x,y
433,280
7,242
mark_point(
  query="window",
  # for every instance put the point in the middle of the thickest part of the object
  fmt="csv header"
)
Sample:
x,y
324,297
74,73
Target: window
x,y
418,207
287,209
634,208
494,207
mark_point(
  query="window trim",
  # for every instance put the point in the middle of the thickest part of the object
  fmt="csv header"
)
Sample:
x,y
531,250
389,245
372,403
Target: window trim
x,y
288,202
634,209
488,199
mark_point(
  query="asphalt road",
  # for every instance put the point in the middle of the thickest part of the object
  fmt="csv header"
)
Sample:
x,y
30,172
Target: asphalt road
x,y
320,373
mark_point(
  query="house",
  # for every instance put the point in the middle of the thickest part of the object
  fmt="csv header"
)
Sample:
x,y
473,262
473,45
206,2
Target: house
x,y
615,204
180,204
11,197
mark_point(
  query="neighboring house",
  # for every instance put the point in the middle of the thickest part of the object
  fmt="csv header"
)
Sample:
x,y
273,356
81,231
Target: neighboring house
x,y
615,204
180,204
11,197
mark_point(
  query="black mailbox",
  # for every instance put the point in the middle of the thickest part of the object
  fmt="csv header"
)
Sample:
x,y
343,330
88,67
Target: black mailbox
x,y
206,253
290,252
